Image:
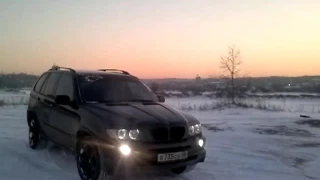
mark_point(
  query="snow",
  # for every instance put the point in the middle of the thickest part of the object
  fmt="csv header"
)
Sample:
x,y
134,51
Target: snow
x,y
203,103
301,105
286,94
173,92
14,97
238,147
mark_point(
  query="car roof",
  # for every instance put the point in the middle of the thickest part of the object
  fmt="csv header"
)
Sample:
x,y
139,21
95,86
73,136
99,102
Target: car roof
x,y
111,72
91,72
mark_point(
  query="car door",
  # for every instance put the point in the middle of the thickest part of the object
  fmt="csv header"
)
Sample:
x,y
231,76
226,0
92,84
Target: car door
x,y
36,101
47,99
65,118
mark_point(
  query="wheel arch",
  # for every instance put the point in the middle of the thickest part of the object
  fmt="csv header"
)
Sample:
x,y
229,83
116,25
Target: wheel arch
x,y
82,133
31,115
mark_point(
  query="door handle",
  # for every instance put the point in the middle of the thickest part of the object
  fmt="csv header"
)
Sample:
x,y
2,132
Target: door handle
x,y
49,103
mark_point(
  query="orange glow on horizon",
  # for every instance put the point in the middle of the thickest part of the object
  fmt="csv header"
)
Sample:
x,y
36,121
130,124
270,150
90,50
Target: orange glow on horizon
x,y
160,39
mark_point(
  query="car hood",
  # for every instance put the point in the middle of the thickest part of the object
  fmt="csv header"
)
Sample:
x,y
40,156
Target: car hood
x,y
141,114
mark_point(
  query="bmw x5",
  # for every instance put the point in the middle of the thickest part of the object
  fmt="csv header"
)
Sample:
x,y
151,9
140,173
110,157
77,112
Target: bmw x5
x,y
112,121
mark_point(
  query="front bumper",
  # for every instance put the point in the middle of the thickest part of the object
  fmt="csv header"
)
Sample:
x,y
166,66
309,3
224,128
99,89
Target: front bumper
x,y
144,155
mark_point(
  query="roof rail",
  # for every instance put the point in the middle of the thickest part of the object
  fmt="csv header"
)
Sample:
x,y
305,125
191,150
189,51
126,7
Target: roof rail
x,y
56,68
114,70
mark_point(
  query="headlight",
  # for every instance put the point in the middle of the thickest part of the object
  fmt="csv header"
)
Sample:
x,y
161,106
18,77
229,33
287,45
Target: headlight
x,y
191,130
122,133
133,134
195,129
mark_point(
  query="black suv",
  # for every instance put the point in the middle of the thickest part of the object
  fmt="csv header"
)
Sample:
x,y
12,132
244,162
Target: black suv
x,y
113,122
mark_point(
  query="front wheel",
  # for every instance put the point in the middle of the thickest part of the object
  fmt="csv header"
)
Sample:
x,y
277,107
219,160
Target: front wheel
x,y
88,160
34,133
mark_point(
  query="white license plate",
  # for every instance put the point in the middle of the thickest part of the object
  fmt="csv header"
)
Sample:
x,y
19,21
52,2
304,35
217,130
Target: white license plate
x,y
172,156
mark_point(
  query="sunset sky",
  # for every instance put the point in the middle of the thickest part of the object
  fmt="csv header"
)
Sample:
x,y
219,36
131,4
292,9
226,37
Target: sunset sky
x,y
160,39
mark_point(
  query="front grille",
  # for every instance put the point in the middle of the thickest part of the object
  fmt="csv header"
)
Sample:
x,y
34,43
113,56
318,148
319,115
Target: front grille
x,y
176,133
168,134
160,134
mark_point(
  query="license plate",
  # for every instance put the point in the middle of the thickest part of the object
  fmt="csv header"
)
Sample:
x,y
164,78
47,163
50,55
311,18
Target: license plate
x,y
172,156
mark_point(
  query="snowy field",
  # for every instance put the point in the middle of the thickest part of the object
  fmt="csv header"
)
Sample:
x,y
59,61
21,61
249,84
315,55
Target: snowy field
x,y
299,105
17,98
202,103
242,144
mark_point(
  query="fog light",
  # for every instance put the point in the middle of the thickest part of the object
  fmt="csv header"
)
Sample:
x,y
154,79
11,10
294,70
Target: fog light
x,y
125,150
201,142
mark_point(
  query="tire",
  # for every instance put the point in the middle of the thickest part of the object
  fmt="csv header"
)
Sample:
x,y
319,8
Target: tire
x,y
89,162
34,133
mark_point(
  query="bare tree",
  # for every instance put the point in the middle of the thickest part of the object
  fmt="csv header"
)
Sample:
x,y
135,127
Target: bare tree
x,y
231,64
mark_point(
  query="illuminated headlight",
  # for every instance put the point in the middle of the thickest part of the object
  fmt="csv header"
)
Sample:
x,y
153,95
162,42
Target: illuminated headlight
x,y
125,150
200,142
133,134
191,130
195,129
122,133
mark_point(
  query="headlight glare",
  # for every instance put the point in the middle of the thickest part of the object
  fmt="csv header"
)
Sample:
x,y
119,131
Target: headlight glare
x,y
125,150
200,142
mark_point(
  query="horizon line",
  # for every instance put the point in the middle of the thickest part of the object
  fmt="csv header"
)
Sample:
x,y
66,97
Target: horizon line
x,y
213,77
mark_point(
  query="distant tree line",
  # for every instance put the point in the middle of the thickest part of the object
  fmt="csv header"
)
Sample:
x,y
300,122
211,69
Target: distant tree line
x,y
199,85
20,80
243,85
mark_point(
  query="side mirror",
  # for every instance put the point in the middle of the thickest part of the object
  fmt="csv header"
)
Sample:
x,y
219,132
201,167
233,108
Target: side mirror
x,y
161,98
63,100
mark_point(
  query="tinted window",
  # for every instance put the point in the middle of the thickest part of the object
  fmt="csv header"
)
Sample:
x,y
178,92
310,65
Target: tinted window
x,y
104,88
40,82
65,86
44,86
51,84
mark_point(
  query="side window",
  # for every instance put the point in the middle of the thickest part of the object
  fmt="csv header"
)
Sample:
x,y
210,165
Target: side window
x,y
51,85
40,82
65,86
44,85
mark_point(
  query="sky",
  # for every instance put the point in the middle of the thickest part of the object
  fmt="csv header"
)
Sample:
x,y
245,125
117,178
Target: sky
x,y
161,39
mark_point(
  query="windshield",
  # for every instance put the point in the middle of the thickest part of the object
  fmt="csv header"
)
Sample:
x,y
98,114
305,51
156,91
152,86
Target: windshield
x,y
106,88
